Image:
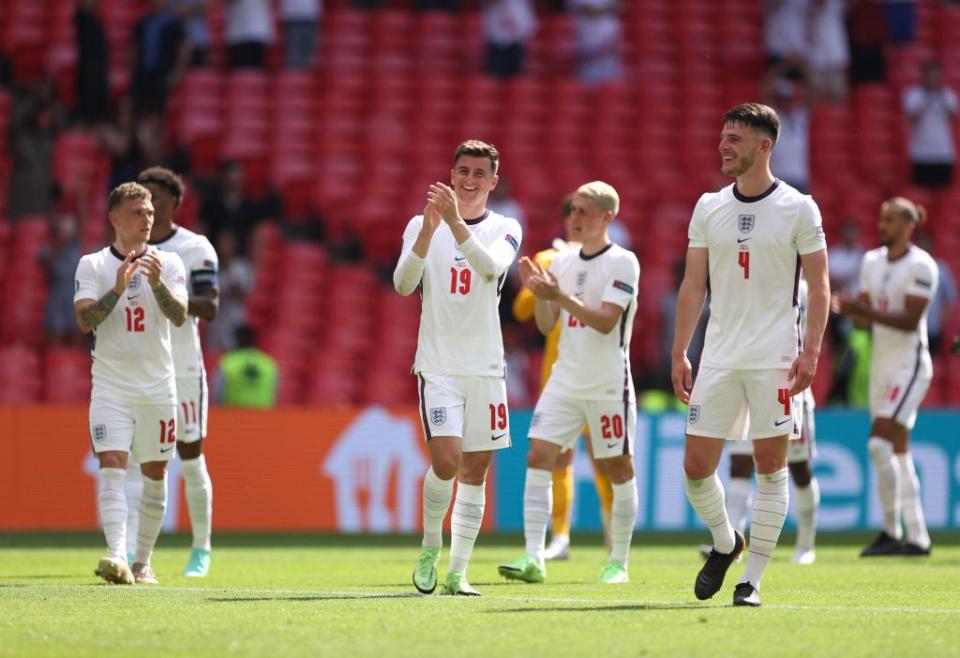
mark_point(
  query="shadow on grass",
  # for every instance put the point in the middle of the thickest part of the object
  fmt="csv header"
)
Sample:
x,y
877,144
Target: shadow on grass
x,y
632,607
312,597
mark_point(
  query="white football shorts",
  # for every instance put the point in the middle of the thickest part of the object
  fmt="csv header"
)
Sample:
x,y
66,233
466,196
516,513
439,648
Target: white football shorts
x,y
193,402
147,432
897,392
474,409
753,404
802,447
560,420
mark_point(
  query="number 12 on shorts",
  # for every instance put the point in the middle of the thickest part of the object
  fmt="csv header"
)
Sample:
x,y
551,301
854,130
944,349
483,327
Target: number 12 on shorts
x,y
168,433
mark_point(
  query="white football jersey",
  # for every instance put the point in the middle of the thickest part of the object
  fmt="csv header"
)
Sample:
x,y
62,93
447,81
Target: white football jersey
x,y
132,353
888,283
201,263
591,365
754,246
459,316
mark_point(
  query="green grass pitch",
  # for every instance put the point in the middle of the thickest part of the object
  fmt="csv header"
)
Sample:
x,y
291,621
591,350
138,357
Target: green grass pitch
x,y
322,595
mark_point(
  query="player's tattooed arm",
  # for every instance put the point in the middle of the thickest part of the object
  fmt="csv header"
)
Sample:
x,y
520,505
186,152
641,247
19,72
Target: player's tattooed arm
x,y
91,314
173,307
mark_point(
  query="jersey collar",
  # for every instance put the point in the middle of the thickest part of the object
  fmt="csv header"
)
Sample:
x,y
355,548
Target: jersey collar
x,y
583,256
752,199
168,236
119,256
471,222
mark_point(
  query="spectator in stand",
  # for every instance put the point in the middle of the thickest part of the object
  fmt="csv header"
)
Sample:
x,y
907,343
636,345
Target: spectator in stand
x,y
35,121
160,54
791,154
931,108
59,259
248,32
247,377
599,38
828,54
946,296
868,37
901,20
785,34
236,280
301,28
130,142
508,25
227,207
193,14
91,70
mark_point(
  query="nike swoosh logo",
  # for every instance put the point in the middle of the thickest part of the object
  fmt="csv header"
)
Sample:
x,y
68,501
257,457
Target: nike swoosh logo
x,y
460,258
164,451
741,241
613,445
778,423
132,297
498,436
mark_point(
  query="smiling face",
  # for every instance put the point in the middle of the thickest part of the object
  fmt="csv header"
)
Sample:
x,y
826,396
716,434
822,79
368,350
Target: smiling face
x,y
740,147
472,179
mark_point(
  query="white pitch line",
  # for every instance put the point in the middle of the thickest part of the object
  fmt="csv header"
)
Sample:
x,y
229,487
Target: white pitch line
x,y
599,603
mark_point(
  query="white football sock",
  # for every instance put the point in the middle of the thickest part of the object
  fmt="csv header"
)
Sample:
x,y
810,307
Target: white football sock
x,y
808,500
199,494
465,524
112,504
911,503
623,516
739,498
766,522
436,501
888,483
706,496
537,505
153,504
133,487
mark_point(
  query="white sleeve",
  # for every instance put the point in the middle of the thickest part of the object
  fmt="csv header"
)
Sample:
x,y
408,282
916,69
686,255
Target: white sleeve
x,y
204,268
621,288
174,274
409,270
864,266
493,262
697,232
85,281
809,237
923,279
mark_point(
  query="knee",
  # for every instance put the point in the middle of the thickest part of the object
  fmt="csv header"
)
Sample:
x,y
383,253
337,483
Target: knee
x,y
619,469
695,467
801,473
541,457
446,466
741,466
767,464
189,450
472,473
154,470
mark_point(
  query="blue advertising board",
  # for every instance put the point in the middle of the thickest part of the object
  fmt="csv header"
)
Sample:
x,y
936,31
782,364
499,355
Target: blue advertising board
x,y
847,480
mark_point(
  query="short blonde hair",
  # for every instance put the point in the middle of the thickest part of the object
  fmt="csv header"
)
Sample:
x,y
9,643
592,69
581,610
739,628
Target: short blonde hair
x,y
603,194
125,191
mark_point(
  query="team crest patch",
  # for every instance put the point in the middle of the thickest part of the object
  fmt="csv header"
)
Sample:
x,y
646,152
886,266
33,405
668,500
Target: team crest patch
x,y
581,278
99,433
694,413
438,415
134,282
745,223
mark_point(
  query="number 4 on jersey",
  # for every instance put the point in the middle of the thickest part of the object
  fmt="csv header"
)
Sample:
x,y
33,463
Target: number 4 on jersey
x,y
743,260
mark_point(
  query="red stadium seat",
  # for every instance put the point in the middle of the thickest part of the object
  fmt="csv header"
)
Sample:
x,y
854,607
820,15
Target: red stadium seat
x,y
66,375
